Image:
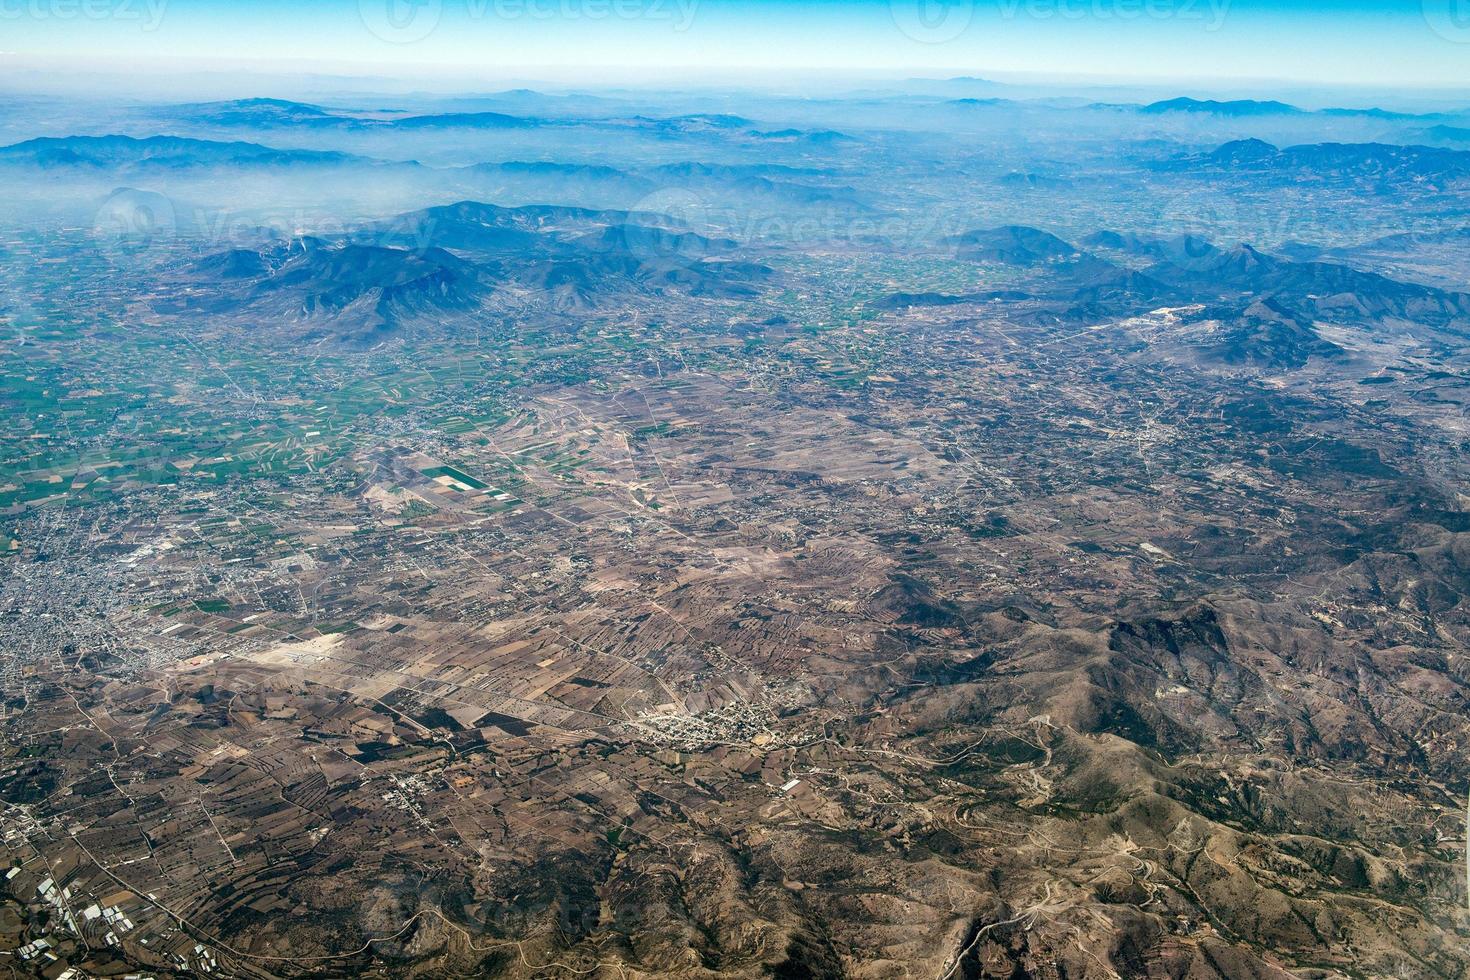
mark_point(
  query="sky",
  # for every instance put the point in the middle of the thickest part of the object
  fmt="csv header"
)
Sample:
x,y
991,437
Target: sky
x,y
1390,43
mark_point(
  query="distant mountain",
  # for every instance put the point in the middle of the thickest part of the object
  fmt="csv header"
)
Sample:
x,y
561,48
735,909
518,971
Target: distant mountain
x,y
716,120
1244,152
1111,239
1086,283
693,123
164,152
1013,245
539,216
819,137
748,181
468,226
1448,134
236,263
1382,164
1266,334
640,239
1313,289
531,231
905,301
355,294
744,180
1094,285
1247,108
1236,108
657,258
258,112
419,269
677,127
567,181
548,168
525,98
1176,248
1270,303
279,113
336,279
458,120
1373,113
1082,283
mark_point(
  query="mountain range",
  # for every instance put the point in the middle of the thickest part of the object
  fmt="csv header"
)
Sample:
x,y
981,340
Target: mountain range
x,y
1268,305
162,152
433,268
1385,165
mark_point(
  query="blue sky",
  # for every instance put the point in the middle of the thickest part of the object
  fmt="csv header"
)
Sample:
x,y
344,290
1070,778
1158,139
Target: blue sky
x,y
1392,43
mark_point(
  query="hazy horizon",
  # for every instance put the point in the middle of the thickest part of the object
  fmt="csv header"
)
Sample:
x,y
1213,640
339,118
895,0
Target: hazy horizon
x,y
1409,45
183,83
